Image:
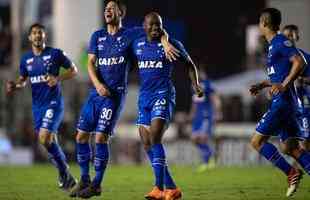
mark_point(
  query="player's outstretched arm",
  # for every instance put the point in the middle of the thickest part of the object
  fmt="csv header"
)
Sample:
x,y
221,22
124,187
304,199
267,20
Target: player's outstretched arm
x,y
12,86
297,66
256,88
91,66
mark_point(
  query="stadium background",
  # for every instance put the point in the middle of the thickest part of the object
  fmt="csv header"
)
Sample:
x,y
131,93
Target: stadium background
x,y
221,36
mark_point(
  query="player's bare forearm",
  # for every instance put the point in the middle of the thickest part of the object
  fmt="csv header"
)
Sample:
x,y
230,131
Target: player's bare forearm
x,y
92,69
297,66
11,86
69,73
217,104
193,72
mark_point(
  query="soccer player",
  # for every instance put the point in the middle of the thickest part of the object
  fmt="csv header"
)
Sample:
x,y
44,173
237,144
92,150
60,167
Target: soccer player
x,y
156,101
302,86
284,64
204,112
108,66
42,65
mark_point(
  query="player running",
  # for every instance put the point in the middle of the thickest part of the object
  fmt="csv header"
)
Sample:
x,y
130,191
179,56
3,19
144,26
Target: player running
x,y
157,100
204,112
283,66
303,91
108,66
42,65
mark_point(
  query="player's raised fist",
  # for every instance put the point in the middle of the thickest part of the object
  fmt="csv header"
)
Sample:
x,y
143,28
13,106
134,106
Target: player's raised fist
x,y
10,86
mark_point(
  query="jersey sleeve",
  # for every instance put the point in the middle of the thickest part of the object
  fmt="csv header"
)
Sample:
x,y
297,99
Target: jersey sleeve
x,y
63,60
183,53
22,68
135,33
92,46
287,49
208,87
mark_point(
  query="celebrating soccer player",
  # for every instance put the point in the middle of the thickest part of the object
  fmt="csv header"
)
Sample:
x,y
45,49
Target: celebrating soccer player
x,y
284,64
42,66
108,66
156,101
204,112
302,86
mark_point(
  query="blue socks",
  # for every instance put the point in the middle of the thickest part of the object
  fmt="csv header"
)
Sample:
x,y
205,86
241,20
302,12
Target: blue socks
x,y
83,158
100,162
270,152
58,157
158,164
205,152
168,180
304,161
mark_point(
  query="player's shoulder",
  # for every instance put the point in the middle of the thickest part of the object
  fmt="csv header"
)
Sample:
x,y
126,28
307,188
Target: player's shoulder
x,y
282,41
99,32
27,57
175,42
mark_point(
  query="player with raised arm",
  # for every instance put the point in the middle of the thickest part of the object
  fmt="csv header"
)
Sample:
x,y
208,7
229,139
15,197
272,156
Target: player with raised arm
x,y
204,112
42,65
284,64
157,100
303,92
108,66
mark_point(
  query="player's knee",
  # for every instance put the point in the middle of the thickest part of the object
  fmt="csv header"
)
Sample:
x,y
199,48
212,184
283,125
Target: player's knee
x,y
102,138
45,140
82,138
256,143
285,149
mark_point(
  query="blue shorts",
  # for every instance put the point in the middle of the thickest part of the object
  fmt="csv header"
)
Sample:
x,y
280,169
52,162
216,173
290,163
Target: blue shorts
x,y
279,120
158,106
202,125
100,114
48,117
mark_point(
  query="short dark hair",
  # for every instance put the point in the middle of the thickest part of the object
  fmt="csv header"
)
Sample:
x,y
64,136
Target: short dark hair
x,y
291,27
36,25
273,17
120,5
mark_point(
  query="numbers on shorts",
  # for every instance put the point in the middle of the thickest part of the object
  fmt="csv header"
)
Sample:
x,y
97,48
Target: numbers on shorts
x,y
106,114
49,113
160,102
305,123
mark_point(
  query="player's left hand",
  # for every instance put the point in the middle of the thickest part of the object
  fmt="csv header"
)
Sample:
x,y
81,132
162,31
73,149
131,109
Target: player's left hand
x,y
171,52
51,80
198,90
276,89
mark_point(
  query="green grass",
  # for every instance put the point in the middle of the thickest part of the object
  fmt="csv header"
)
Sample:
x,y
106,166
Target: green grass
x,y
132,182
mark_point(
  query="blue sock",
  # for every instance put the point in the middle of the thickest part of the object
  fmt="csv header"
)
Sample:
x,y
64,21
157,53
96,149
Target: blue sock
x,y
205,152
304,161
158,163
270,152
100,162
58,157
168,180
83,158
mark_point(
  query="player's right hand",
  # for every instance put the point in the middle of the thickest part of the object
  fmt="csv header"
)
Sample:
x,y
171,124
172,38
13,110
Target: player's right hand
x,y
10,86
102,90
255,89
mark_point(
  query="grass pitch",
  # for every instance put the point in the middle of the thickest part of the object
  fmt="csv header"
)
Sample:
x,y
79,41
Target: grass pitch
x,y
38,182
